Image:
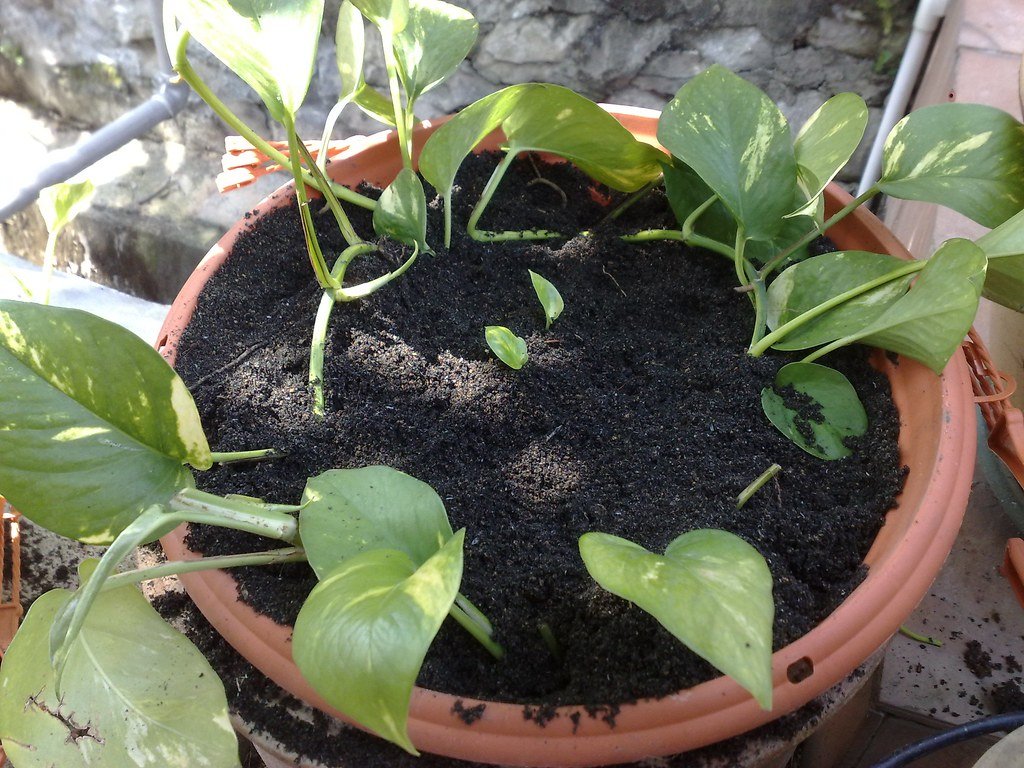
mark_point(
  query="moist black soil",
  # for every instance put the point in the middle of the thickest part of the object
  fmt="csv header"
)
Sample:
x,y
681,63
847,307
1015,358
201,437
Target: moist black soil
x,y
638,414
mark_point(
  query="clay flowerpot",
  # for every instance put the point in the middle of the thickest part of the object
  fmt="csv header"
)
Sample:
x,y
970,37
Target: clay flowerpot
x,y
937,442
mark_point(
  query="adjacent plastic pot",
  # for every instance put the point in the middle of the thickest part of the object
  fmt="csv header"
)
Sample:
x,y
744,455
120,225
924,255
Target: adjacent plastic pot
x,y
937,443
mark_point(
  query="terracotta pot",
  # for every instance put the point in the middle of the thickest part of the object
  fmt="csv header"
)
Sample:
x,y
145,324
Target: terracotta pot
x,y
937,443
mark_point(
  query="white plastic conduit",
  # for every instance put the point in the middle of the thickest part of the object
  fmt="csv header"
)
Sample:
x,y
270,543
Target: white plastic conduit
x,y
926,21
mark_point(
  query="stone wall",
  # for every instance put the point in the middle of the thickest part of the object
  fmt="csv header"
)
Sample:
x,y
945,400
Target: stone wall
x,y
69,67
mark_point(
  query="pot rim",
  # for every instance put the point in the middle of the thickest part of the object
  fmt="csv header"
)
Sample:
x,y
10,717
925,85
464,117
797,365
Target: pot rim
x,y
903,561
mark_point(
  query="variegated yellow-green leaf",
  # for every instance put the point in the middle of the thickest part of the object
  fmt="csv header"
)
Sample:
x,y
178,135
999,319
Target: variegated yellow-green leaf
x,y
814,281
1004,247
364,630
829,138
135,693
401,212
710,589
549,297
738,142
968,157
349,47
270,44
393,14
433,43
94,425
931,320
348,511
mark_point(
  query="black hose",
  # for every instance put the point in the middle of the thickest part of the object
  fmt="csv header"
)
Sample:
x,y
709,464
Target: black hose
x,y
1007,722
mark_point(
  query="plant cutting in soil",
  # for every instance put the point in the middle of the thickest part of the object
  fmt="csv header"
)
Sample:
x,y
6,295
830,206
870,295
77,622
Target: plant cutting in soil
x,y
104,460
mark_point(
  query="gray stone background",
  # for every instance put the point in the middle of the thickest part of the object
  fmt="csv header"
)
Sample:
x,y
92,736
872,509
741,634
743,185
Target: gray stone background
x,y
69,66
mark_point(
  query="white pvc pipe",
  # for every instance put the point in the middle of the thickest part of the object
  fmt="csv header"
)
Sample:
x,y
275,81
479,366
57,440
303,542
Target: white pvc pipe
x,y
926,21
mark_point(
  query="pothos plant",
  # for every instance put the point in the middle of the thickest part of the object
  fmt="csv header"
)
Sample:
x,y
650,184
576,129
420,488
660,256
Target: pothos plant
x,y
105,460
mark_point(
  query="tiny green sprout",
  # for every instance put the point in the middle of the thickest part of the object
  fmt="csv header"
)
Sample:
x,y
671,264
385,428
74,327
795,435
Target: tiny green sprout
x,y
509,348
549,297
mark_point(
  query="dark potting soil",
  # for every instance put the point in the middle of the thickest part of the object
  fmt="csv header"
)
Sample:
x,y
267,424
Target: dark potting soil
x,y
638,414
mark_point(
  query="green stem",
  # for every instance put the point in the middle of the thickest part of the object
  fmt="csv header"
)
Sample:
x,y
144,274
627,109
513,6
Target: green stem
x,y
176,567
698,241
49,259
738,261
316,255
849,208
474,613
477,632
691,221
485,199
550,640
190,76
755,486
448,219
236,512
325,137
401,123
783,330
634,198
920,638
221,457
365,289
347,231
760,304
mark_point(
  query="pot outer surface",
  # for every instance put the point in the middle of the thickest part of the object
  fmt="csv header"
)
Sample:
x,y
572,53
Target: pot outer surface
x,y
638,414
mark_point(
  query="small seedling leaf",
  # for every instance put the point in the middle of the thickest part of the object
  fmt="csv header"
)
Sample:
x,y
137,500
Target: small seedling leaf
x,y
401,212
739,143
135,692
270,45
814,281
436,39
376,612
968,157
710,589
61,203
549,297
1004,247
509,348
816,407
348,511
94,425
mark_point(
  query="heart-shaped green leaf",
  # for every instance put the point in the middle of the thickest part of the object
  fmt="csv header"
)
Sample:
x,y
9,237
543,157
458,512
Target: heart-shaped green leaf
x,y
549,297
931,320
348,511
1004,247
94,425
816,407
739,143
968,157
135,693
812,282
436,39
401,212
686,192
543,118
362,633
271,45
60,203
710,589
509,348
829,138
